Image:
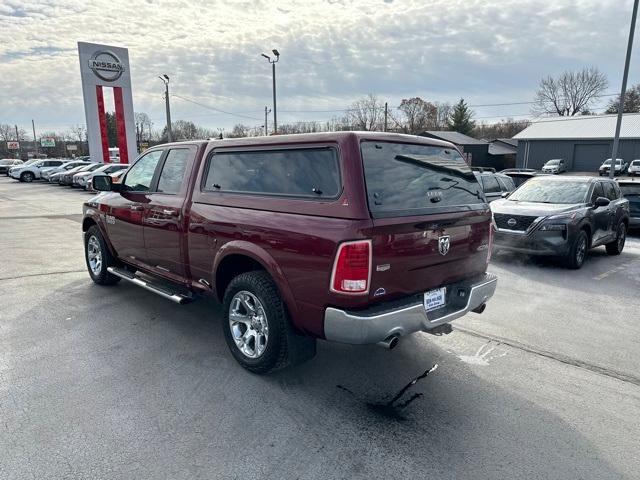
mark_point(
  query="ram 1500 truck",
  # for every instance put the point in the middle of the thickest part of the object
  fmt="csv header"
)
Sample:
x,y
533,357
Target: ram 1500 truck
x,y
353,237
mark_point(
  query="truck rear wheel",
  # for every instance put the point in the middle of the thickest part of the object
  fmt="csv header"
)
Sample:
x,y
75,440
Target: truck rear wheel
x,y
255,322
98,258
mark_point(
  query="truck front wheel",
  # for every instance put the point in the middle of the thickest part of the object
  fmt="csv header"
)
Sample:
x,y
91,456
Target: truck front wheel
x,y
255,322
98,258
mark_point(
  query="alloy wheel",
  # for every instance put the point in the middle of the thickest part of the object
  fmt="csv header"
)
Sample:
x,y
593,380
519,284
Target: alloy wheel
x,y
94,255
248,324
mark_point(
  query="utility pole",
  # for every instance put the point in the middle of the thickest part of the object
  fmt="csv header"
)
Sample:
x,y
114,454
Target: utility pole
x,y
18,140
266,120
386,113
616,138
35,140
273,73
165,79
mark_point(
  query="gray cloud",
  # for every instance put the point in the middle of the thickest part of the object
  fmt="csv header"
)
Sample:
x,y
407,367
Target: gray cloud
x,y
332,52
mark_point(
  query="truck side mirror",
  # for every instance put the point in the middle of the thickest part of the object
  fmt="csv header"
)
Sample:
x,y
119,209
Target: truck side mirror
x,y
602,202
104,183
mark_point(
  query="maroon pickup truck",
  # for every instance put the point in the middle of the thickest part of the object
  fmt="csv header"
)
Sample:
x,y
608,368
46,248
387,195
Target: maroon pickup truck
x,y
353,237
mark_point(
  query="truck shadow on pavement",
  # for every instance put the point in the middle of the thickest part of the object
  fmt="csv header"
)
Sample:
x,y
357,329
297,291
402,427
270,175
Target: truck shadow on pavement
x,y
150,388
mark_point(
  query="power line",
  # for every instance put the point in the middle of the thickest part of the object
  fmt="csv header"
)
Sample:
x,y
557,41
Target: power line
x,y
213,108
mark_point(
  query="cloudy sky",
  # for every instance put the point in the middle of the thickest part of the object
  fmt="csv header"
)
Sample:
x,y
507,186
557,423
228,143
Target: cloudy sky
x,y
333,52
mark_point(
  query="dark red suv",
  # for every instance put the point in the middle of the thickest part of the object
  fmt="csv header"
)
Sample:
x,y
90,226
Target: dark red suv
x,y
353,237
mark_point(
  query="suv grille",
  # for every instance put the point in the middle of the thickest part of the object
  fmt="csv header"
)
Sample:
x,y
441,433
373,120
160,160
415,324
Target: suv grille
x,y
522,222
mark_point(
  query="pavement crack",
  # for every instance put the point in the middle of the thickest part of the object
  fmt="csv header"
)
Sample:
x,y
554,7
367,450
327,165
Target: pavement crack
x,y
18,277
608,372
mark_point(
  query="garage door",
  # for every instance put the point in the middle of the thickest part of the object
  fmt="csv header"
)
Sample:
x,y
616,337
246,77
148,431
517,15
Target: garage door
x,y
587,158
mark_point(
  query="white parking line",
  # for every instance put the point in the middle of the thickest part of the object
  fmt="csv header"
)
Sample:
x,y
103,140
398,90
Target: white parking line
x,y
617,269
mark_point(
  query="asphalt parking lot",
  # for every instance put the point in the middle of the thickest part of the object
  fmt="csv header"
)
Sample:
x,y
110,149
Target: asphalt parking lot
x,y
118,383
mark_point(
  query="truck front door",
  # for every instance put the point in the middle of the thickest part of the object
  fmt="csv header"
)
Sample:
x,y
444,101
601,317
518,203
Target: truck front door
x,y
164,222
126,211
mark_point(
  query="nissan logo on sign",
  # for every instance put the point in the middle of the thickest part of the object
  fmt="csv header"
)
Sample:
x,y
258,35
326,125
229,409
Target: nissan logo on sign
x,y
106,66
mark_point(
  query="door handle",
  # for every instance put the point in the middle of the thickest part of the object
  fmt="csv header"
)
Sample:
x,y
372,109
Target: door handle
x,y
136,208
169,211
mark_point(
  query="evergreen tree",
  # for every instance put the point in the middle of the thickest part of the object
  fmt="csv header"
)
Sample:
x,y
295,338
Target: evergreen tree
x,y
461,118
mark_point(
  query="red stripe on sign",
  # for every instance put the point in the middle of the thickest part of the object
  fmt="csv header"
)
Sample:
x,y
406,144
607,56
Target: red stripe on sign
x,y
120,125
102,120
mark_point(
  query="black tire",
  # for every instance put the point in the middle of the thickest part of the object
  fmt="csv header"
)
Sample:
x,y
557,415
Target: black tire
x,y
27,177
93,240
275,316
578,251
616,247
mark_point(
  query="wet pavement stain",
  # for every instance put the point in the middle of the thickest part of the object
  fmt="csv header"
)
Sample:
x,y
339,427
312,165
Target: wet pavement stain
x,y
393,409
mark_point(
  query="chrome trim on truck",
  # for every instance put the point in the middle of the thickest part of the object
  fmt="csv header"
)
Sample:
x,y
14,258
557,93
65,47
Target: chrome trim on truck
x,y
369,326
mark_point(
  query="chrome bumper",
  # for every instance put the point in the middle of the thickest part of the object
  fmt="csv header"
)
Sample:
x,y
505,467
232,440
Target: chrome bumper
x,y
381,322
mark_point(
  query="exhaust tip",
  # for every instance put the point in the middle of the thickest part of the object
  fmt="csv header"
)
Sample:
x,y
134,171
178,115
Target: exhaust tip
x,y
479,309
390,342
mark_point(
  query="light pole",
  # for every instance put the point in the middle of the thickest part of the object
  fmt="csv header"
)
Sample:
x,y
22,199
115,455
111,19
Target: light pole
x,y
266,116
273,71
165,80
616,138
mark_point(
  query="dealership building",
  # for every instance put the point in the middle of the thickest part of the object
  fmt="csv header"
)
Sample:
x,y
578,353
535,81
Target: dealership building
x,y
584,142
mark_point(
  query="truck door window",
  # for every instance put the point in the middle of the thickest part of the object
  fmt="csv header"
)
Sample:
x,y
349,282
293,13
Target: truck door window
x,y
173,171
140,175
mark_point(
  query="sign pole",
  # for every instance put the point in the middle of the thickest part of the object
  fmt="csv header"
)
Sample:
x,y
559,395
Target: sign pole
x,y
35,140
616,138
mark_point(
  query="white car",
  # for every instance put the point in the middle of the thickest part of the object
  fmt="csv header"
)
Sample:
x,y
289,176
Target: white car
x,y
619,168
30,172
634,168
82,178
555,165
47,172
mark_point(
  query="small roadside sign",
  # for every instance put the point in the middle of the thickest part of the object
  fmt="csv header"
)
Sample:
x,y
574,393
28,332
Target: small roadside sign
x,y
48,142
72,147
13,145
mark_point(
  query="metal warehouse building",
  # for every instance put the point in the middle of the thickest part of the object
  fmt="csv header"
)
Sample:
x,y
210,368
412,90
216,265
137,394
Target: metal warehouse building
x,y
583,142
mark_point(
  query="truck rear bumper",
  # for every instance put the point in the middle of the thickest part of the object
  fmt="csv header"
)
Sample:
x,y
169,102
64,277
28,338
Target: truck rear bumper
x,y
408,315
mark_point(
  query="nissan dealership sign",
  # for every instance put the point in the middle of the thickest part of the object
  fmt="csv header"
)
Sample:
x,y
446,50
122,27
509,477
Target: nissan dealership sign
x,y
106,66
103,66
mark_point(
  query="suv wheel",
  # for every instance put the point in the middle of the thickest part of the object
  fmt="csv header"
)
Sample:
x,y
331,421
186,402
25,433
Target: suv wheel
x,y
98,258
616,247
27,177
578,251
255,322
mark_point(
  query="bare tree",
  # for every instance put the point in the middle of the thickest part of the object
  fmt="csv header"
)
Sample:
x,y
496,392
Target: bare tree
x,y
365,114
571,93
144,124
502,129
417,115
238,131
443,112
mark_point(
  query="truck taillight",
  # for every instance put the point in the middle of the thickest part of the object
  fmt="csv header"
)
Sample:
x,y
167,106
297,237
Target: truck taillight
x,y
352,268
491,230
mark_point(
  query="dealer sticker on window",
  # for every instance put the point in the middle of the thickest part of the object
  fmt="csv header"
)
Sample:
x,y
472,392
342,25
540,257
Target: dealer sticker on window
x,y
435,299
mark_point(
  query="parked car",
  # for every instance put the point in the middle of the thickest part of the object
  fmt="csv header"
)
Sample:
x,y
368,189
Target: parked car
x,y
23,164
619,168
519,177
356,238
115,171
495,185
7,163
634,168
67,178
31,172
82,179
562,216
47,173
554,166
631,191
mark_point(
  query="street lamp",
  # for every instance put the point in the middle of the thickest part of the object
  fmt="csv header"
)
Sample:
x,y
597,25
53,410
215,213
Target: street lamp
x,y
273,70
165,80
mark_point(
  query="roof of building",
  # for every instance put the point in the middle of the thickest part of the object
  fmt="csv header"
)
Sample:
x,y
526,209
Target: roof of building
x,y
510,141
456,138
581,127
497,148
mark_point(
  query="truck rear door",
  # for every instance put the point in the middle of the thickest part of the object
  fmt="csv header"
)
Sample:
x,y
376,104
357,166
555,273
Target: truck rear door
x,y
431,223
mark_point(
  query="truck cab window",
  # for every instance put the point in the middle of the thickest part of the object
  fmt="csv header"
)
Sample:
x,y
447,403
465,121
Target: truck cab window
x,y
173,171
140,175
